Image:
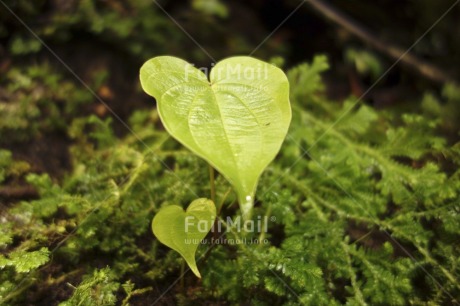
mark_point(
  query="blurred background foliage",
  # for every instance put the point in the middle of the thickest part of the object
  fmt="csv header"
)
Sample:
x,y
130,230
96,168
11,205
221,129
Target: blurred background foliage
x,y
104,42
79,188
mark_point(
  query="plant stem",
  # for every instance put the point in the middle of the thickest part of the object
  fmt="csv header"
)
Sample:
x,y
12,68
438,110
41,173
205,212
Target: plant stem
x,y
211,181
221,204
213,195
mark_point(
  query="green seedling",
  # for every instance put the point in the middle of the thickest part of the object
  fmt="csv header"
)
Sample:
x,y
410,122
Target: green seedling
x,y
183,231
236,120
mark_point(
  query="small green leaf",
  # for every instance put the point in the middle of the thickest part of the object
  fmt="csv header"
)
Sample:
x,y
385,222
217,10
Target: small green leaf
x,y
26,261
183,231
237,121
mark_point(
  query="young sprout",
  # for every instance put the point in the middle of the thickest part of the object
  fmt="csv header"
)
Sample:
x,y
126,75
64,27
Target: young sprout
x,y
236,120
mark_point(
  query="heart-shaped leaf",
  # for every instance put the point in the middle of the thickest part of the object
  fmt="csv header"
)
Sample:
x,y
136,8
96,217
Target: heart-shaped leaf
x,y
237,121
183,231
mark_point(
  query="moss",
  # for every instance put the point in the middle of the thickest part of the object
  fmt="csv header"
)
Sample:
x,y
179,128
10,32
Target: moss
x,y
362,212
